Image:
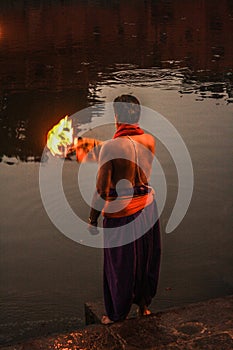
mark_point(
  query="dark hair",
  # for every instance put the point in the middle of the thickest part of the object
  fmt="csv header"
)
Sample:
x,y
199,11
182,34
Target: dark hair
x,y
127,109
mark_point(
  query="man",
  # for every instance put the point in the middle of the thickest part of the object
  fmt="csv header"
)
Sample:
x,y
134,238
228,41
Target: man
x,y
131,226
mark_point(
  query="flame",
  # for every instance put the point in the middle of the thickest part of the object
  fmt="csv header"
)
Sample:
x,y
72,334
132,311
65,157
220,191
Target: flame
x,y
60,137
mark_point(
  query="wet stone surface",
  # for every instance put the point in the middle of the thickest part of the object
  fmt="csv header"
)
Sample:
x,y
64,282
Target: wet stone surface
x,y
207,325
221,341
148,330
191,328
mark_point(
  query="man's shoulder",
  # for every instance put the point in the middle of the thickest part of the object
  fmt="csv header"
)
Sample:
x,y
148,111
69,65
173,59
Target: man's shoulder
x,y
108,146
146,139
149,136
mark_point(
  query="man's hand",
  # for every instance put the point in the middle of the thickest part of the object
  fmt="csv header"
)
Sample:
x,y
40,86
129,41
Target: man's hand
x,y
92,227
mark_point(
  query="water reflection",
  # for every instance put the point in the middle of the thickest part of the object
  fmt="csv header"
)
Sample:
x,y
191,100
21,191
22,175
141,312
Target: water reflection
x,y
55,56
183,80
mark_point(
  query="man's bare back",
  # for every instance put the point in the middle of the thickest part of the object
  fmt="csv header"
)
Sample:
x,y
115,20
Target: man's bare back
x,y
118,160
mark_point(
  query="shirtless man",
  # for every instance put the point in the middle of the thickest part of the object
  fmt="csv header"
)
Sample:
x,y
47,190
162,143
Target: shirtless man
x,y
130,270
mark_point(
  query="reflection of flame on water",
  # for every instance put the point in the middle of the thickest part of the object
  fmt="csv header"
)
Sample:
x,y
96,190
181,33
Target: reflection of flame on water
x,y
60,137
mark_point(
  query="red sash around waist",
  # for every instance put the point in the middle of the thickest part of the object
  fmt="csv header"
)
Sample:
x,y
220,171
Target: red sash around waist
x,y
125,205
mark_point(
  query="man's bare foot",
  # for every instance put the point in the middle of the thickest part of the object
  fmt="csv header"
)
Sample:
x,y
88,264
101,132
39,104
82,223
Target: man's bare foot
x,y
106,320
144,311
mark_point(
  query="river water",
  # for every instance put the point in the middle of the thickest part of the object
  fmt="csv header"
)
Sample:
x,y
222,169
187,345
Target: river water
x,y
58,57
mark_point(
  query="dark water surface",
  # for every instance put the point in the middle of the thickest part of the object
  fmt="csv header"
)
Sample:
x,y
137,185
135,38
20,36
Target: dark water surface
x,y
58,57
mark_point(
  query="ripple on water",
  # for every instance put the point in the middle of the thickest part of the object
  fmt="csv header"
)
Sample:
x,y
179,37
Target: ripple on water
x,y
153,77
180,79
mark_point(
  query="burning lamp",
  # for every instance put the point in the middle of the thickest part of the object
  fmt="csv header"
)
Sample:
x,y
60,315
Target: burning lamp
x,y
60,138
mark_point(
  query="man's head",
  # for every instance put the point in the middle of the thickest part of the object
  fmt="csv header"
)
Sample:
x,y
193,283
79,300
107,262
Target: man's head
x,y
127,109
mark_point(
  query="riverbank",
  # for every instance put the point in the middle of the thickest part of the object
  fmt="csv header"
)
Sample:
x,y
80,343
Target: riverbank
x,y
204,325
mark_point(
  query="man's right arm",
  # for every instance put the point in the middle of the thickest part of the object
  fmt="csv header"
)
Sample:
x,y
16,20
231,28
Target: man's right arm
x,y
103,184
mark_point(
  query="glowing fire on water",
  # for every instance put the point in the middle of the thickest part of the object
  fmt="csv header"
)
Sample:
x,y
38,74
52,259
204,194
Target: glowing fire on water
x,y
60,137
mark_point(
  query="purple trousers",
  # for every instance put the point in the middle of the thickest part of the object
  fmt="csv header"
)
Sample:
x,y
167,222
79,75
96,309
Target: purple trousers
x,y
131,271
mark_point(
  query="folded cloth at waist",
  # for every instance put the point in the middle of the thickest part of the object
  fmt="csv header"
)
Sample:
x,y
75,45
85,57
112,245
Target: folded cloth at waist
x,y
128,201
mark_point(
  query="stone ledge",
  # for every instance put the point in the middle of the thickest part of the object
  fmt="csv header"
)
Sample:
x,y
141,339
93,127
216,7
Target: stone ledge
x,y
206,325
